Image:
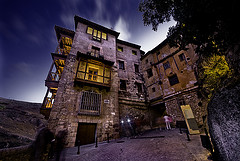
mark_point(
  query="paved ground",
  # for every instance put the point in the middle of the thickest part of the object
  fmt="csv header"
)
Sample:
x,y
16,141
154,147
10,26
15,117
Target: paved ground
x,y
152,146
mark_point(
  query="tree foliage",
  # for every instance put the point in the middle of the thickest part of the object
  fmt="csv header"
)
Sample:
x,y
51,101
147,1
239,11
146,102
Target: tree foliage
x,y
198,22
212,73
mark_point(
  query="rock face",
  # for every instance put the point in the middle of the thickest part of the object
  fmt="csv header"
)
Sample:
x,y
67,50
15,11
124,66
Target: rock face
x,y
18,122
224,123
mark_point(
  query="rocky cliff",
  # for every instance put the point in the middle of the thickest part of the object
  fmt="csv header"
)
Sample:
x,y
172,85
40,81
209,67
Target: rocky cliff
x,y
18,122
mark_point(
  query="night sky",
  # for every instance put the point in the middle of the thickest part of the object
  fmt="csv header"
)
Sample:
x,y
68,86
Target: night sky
x,y
27,37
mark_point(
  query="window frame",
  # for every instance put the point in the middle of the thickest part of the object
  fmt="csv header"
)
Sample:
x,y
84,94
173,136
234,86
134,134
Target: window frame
x,y
149,74
173,80
96,34
120,49
123,85
182,57
134,52
122,66
136,71
104,78
166,65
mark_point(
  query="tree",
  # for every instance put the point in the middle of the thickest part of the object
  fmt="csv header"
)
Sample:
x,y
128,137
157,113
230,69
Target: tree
x,y
199,22
210,25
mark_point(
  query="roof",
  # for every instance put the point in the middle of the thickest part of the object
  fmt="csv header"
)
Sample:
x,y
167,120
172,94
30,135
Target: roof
x,y
128,44
60,30
94,25
159,46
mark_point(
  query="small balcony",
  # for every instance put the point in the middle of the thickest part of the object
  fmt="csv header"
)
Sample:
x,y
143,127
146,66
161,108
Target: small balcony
x,y
93,72
52,79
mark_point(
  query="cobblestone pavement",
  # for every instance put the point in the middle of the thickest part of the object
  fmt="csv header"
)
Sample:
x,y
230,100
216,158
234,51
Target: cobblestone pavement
x,y
152,146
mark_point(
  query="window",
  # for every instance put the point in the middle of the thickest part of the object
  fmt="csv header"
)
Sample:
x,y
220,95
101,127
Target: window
x,y
149,73
146,61
139,87
95,51
134,52
181,102
181,57
173,80
93,71
166,65
97,35
90,103
120,49
136,66
123,85
153,89
121,65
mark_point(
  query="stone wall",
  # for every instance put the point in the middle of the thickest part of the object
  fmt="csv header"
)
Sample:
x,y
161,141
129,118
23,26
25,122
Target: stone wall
x,y
190,98
22,153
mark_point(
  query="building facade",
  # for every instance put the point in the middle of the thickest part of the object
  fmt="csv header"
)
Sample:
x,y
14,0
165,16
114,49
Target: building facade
x,y
95,87
170,79
100,86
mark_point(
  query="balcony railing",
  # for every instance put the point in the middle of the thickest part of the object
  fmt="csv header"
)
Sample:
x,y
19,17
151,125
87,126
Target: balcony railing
x,y
48,102
54,76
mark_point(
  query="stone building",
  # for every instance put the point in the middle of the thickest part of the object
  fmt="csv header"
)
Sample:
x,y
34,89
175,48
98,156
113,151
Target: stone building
x,y
95,86
100,86
170,80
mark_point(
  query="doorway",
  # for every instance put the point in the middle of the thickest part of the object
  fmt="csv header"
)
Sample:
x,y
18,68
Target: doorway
x,y
86,133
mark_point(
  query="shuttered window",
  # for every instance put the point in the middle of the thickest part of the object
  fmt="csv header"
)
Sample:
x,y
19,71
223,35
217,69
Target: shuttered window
x,y
90,103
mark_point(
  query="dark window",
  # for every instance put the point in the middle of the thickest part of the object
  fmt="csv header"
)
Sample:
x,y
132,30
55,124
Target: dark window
x,y
136,66
134,52
181,102
119,48
153,89
181,57
146,61
149,73
95,51
139,87
90,103
173,80
123,85
166,65
121,64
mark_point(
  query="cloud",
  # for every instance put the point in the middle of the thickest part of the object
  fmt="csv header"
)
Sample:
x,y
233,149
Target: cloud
x,y
23,68
122,27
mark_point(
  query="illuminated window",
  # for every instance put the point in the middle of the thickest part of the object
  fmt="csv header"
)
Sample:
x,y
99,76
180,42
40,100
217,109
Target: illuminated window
x,y
173,80
121,65
96,35
65,45
123,85
166,65
89,30
149,73
181,57
104,36
94,71
134,52
119,48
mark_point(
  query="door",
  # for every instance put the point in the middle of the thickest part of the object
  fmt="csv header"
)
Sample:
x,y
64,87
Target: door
x,y
86,133
190,120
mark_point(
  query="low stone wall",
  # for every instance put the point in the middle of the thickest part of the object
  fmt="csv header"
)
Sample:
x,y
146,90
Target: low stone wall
x,y
22,153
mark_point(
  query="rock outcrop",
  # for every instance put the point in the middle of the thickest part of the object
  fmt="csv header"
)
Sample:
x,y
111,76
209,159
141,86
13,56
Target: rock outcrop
x,y
224,123
18,122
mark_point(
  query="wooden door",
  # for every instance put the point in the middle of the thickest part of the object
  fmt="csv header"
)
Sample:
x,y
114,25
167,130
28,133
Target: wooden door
x,y
189,119
86,133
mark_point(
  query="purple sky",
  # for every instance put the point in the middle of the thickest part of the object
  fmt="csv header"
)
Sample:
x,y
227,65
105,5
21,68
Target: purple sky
x,y
27,37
